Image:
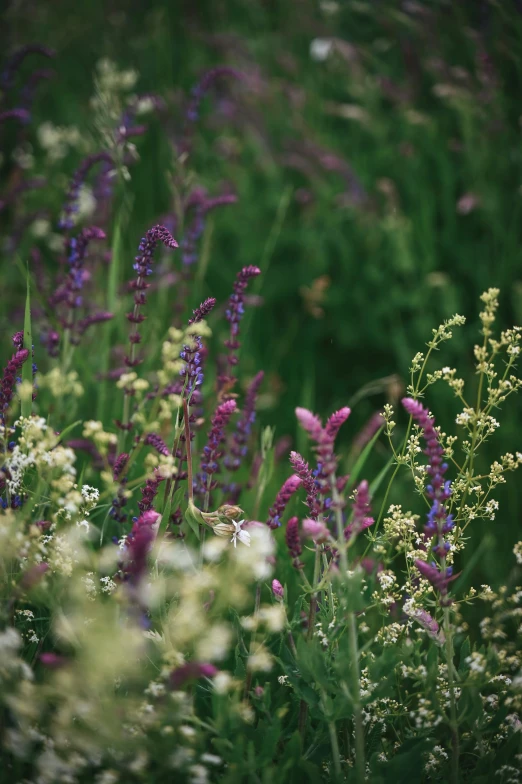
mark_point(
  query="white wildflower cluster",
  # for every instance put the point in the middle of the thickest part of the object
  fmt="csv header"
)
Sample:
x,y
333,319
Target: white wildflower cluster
x,y
38,448
58,140
61,384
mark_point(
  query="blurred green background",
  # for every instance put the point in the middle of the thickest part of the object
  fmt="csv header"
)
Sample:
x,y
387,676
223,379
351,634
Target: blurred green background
x,y
375,150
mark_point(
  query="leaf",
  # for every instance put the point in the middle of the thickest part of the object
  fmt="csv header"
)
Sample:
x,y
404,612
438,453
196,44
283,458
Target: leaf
x,y
363,457
192,518
65,432
311,662
374,486
172,504
464,652
27,367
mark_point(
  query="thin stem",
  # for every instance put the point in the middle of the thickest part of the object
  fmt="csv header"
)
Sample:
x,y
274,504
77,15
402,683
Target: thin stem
x,y
332,731
356,696
303,706
189,451
248,681
453,705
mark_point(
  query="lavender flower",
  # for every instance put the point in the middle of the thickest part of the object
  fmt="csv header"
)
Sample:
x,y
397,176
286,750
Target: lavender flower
x,y
324,438
70,291
304,473
278,590
202,87
14,62
120,500
203,310
439,521
287,490
143,266
234,314
138,545
293,541
78,180
313,529
119,465
22,115
154,440
202,206
189,672
28,91
244,425
192,371
94,318
11,371
149,493
212,452
361,512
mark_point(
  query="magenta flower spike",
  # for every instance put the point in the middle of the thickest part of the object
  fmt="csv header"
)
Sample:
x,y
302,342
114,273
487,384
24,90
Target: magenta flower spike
x,y
302,469
284,495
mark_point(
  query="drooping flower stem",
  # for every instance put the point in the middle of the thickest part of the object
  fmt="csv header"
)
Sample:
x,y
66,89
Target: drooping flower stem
x,y
455,750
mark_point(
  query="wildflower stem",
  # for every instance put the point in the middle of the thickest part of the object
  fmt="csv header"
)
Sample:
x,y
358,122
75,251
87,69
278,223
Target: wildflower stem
x,y
332,731
356,697
303,706
453,705
248,680
189,452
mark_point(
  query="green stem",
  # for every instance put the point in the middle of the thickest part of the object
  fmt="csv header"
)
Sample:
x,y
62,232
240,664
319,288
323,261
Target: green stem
x,y
332,731
360,768
303,705
453,705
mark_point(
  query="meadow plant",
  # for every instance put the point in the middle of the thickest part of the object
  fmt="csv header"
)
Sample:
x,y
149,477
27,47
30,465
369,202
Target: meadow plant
x,y
161,622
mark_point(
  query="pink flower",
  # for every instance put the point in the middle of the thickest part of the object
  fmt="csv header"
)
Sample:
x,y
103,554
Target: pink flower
x,y
277,589
313,529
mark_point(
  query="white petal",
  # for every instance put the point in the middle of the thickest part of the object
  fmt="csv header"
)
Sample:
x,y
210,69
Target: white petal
x,y
244,537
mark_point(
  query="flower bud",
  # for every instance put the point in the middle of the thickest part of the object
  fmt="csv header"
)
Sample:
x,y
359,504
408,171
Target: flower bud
x,y
229,512
313,529
277,590
223,529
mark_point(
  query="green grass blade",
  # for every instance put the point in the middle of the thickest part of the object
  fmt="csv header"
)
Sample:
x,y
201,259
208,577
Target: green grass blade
x,y
363,457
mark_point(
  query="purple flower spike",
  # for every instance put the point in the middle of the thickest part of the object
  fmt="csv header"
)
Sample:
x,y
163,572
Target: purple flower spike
x,y
143,266
139,543
293,541
189,672
79,177
149,493
22,115
439,521
94,318
324,438
278,590
11,372
212,452
361,511
304,473
287,490
199,91
154,440
119,465
14,62
243,428
203,310
234,313
310,422
313,529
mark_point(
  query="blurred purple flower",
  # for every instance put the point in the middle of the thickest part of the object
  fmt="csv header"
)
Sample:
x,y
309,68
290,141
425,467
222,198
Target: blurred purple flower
x,y
287,490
